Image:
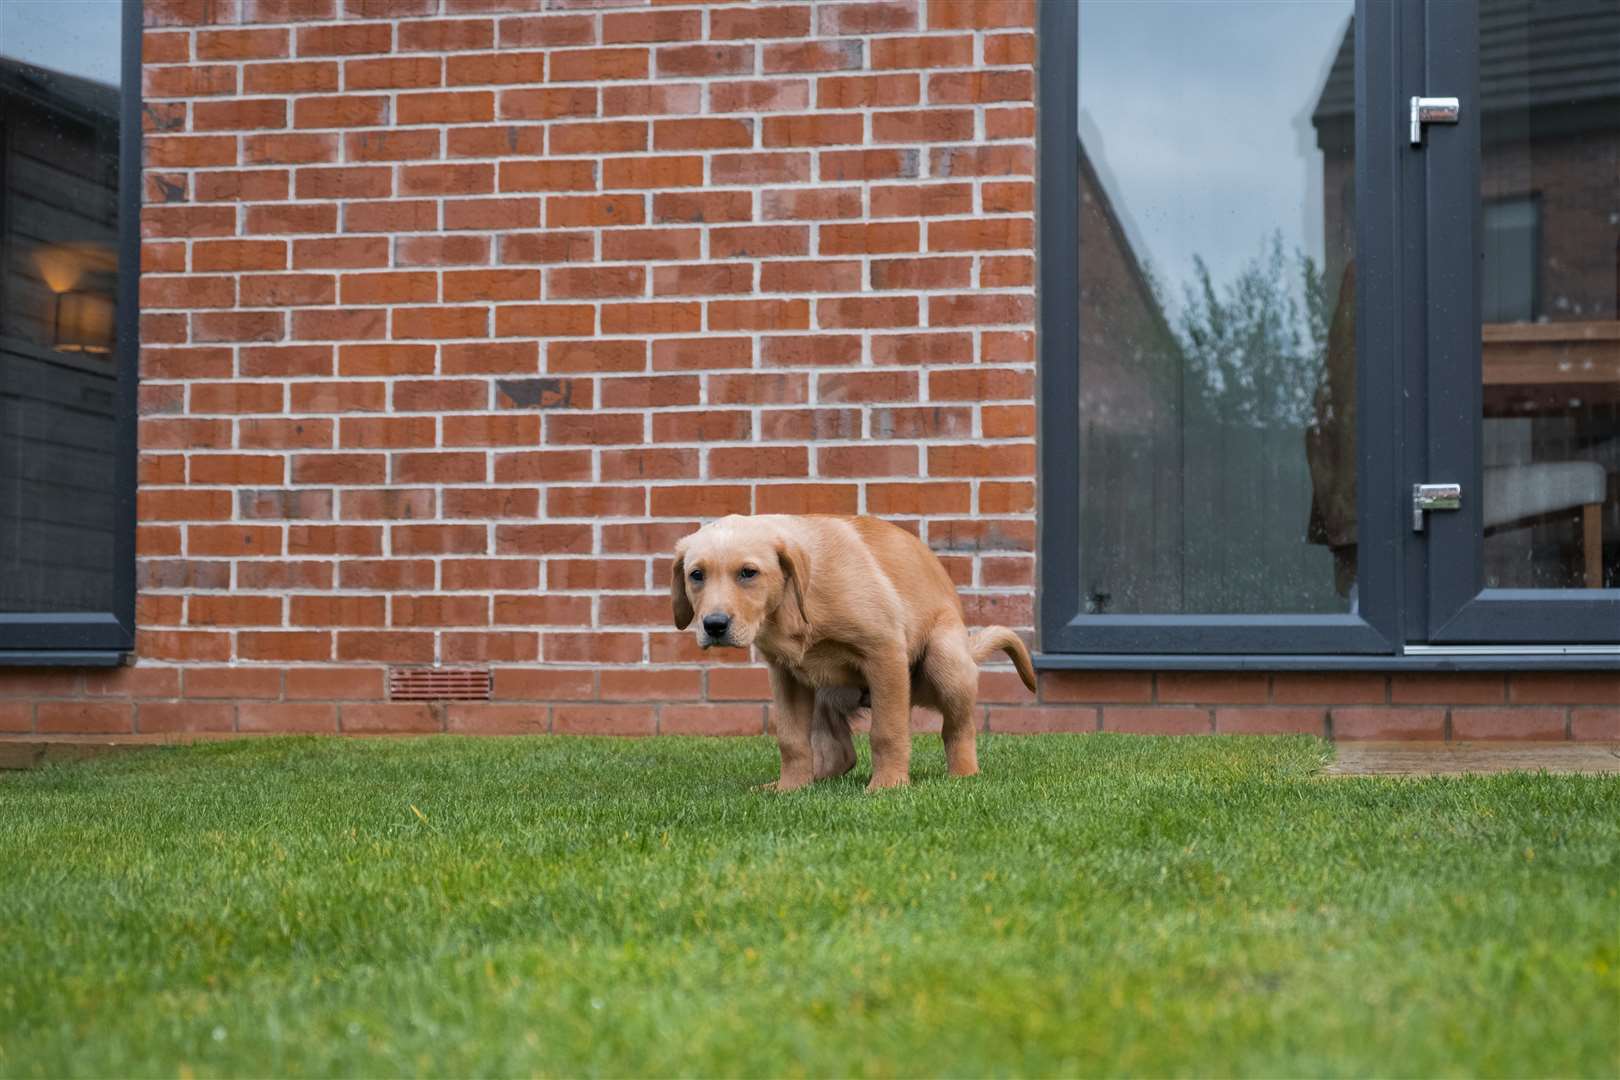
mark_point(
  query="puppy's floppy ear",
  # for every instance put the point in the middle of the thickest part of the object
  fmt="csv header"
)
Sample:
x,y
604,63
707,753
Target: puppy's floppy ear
x,y
795,572
678,599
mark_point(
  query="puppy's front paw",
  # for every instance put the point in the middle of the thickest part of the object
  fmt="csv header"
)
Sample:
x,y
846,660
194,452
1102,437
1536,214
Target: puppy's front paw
x,y
781,786
885,783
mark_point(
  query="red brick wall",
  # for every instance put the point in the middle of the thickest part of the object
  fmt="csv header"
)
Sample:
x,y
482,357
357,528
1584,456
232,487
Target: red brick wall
x,y
457,313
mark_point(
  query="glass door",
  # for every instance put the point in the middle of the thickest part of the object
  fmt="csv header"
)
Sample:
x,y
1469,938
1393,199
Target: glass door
x,y
1218,229
1523,337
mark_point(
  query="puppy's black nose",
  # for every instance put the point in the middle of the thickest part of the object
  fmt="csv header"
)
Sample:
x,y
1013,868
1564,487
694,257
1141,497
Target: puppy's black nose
x,y
716,625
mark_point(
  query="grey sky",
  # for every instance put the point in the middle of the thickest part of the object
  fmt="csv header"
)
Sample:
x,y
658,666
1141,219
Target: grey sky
x,y
1197,116
80,37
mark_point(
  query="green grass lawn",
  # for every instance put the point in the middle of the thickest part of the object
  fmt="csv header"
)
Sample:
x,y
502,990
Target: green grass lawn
x,y
1097,904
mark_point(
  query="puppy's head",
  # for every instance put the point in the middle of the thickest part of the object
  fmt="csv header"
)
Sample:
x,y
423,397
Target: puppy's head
x,y
734,576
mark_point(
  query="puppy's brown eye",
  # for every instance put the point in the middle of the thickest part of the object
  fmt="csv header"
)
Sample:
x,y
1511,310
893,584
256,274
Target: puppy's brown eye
x,y
747,572
696,575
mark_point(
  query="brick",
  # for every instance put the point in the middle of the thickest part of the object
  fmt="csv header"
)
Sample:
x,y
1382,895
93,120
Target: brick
x,y
310,718
918,274
445,35
603,720
813,129
811,277
1036,720
980,15
393,73
468,179
394,646
591,211
620,28
1340,688
809,425
1213,688
1595,724
544,684
842,55
1423,688
159,717
242,44
982,234
341,253
1507,723
395,717
1264,721
328,683
922,52
711,719
198,80
867,18
1561,687
548,30
1140,720
290,645
885,164
1388,723
702,134
780,21
987,308
390,574
1010,197
492,214
340,111
442,251
352,39
759,95
83,717
761,168
391,145
867,311
922,199
918,499
869,239
806,499
994,160
390,288
491,719
927,125
598,65
644,100
290,78
867,460
190,151
979,87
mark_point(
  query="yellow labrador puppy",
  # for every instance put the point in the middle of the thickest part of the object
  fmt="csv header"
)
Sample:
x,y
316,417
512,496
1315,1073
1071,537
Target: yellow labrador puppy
x,y
846,610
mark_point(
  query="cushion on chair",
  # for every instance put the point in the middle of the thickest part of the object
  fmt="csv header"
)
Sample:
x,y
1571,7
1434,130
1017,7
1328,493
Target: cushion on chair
x,y
1514,492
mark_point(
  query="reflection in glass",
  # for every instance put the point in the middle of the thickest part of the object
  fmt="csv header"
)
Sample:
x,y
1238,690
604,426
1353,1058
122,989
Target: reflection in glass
x,y
1217,353
1550,148
59,135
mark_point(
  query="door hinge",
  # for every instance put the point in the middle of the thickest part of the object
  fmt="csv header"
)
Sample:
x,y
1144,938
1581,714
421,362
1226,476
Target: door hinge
x,y
1433,497
1432,110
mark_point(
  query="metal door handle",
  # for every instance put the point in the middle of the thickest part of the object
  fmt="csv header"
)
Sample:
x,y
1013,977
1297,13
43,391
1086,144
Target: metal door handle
x,y
1432,110
1433,497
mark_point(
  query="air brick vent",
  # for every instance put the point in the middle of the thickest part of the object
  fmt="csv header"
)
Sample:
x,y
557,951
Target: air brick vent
x,y
438,684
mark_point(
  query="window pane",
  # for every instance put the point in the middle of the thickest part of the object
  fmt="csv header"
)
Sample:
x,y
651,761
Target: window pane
x,y
59,133
1550,145
1217,353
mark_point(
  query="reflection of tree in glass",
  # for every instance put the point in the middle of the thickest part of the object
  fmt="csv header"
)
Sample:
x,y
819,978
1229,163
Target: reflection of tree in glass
x,y
1253,349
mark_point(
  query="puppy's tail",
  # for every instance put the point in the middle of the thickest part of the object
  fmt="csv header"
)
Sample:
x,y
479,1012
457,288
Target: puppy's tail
x,y
988,639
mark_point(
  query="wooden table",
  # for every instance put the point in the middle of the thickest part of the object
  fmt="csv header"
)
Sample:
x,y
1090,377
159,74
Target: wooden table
x,y
1542,367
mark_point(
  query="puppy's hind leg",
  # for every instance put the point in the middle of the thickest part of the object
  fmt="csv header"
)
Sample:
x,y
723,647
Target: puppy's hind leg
x,y
831,744
952,679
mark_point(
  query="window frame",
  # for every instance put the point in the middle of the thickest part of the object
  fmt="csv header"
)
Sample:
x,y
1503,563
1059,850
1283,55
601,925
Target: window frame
x,y
103,638
1461,610
1402,595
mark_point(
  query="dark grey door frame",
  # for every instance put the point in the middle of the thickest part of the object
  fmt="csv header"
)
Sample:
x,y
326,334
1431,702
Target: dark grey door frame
x,y
1064,625
1460,609
102,637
